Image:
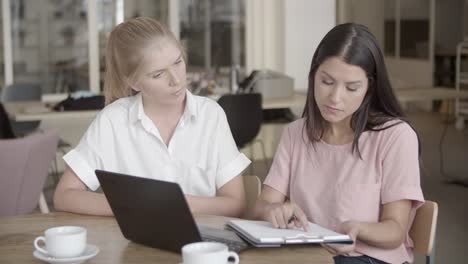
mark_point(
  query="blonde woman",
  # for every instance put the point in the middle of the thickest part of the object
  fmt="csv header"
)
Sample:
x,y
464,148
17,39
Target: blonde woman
x,y
153,127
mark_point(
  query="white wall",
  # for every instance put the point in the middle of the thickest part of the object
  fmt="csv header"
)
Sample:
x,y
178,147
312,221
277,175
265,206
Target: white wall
x,y
282,34
306,23
264,35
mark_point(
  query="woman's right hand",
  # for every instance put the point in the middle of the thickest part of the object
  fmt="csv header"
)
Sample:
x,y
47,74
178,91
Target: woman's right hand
x,y
286,215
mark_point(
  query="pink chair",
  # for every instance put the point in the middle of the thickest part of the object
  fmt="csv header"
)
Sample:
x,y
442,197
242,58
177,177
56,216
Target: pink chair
x,y
24,166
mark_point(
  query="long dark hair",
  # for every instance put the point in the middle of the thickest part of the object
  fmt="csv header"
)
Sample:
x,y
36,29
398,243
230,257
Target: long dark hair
x,y
355,45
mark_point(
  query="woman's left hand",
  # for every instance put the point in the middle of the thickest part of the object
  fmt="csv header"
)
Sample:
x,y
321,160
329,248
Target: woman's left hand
x,y
351,228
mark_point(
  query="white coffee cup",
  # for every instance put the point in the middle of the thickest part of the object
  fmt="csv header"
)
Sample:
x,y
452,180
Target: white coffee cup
x,y
63,241
207,253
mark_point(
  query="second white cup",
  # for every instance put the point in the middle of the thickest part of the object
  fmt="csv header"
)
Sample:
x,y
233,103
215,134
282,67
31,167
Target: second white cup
x,y
63,241
208,253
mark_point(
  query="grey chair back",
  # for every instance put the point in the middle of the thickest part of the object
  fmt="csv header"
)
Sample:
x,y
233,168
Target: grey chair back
x,y
24,164
22,92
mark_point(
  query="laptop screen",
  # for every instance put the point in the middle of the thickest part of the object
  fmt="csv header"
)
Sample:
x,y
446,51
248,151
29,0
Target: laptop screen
x,y
148,211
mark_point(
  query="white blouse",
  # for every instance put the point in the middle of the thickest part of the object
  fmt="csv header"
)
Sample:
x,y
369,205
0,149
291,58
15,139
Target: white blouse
x,y
201,157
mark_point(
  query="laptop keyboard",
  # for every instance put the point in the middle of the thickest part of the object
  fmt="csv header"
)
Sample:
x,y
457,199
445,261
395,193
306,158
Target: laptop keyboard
x,y
235,246
231,239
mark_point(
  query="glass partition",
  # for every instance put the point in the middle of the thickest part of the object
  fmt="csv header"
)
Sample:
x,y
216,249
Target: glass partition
x,y
414,29
50,44
107,12
213,32
157,9
409,20
389,28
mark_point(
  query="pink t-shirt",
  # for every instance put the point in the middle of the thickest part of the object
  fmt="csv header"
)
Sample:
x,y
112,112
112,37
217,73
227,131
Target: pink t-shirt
x,y
332,184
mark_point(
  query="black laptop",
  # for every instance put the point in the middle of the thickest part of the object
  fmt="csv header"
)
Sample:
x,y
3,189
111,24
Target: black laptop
x,y
155,213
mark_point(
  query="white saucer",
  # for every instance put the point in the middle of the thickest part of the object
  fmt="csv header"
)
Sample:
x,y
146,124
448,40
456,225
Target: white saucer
x,y
90,251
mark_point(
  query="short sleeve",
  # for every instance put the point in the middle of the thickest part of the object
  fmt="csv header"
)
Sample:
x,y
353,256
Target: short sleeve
x,y
400,166
279,175
231,162
87,155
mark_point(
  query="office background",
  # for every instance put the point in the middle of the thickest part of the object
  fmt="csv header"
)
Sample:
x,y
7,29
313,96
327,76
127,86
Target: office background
x,y
59,44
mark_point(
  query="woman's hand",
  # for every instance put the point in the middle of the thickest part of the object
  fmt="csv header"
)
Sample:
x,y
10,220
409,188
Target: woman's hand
x,y
286,215
351,228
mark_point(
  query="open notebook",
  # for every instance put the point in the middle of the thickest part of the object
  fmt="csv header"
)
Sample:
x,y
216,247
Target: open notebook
x,y
263,234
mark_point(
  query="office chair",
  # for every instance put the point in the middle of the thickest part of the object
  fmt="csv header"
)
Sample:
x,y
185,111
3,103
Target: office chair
x,y
22,92
29,92
423,230
245,115
6,132
25,164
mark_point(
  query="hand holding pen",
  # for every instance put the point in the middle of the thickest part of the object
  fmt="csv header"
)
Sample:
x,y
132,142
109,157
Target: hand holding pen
x,y
287,215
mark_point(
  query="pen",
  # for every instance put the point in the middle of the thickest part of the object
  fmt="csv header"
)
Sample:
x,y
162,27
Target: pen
x,y
292,218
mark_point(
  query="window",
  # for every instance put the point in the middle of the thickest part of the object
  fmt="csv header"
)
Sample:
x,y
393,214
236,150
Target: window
x,y
108,11
49,44
157,9
407,28
50,38
213,33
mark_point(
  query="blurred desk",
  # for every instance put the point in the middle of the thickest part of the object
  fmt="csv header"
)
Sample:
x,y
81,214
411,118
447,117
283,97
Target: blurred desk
x,y
403,95
429,94
33,111
18,233
296,101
